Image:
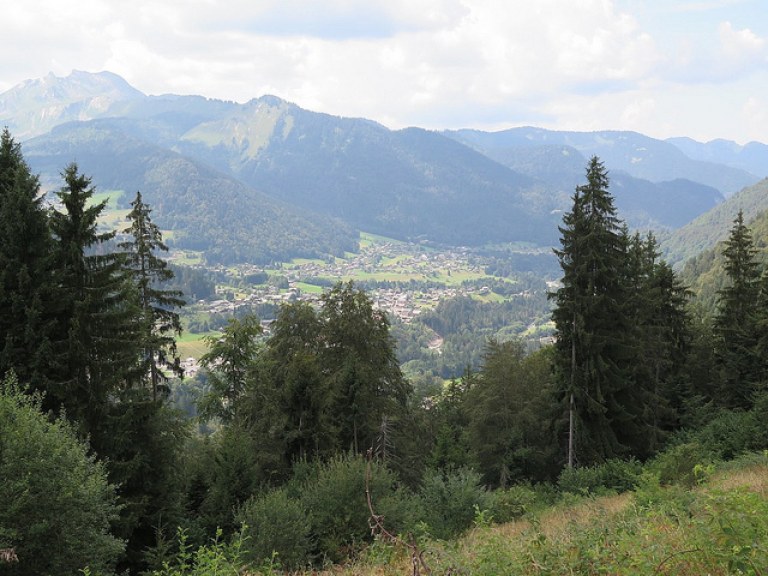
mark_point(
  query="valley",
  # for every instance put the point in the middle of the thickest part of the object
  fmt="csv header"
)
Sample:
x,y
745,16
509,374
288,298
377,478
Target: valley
x,y
406,280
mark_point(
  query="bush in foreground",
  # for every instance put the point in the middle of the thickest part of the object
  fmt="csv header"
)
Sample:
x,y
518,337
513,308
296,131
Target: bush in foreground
x,y
56,503
277,527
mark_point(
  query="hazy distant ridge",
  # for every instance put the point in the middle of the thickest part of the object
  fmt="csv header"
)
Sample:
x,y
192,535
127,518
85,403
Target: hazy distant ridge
x,y
268,167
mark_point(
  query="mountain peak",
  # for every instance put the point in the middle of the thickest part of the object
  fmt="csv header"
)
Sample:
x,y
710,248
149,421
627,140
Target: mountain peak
x,y
35,106
270,100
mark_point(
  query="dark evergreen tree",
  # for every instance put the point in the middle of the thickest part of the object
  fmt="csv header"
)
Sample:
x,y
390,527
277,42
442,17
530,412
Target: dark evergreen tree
x,y
294,365
736,320
101,333
97,331
592,326
242,396
671,325
660,337
230,362
358,355
761,327
510,416
26,287
159,320
142,442
449,424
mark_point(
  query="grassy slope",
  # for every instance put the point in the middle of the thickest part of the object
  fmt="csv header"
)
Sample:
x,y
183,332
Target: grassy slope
x,y
718,528
193,345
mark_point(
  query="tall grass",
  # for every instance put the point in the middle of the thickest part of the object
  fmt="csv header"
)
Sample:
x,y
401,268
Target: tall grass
x,y
718,527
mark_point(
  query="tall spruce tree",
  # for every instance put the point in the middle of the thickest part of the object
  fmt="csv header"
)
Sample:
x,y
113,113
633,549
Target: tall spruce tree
x,y
231,361
510,415
736,321
159,322
96,309
761,327
592,326
659,339
26,289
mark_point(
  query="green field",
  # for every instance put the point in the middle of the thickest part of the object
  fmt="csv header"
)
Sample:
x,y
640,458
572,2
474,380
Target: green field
x,y
186,257
367,239
193,345
309,288
111,197
296,262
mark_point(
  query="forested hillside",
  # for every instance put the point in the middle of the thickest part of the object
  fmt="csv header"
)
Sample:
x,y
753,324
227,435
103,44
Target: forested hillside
x,y
206,210
705,273
710,228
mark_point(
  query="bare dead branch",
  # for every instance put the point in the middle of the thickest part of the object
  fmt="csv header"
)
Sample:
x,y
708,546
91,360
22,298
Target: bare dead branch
x,y
8,555
376,523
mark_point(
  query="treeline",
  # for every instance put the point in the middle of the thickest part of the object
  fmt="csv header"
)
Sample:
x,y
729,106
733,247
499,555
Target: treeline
x,y
632,363
317,415
88,329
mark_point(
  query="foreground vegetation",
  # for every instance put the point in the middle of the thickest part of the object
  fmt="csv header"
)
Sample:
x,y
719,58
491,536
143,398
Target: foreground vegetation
x,y
705,519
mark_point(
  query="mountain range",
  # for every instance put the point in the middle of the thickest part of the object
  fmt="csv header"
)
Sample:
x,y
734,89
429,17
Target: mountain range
x,y
267,180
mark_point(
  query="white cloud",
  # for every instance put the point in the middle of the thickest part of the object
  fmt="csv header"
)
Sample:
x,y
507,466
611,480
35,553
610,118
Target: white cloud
x,y
719,55
432,63
741,46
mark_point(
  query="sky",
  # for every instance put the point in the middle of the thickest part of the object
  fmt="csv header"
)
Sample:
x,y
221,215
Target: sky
x,y
696,68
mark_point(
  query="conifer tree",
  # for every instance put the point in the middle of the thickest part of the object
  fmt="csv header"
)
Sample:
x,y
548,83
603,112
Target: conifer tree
x,y
509,415
761,334
96,309
736,321
159,322
231,360
589,315
659,338
26,288
295,368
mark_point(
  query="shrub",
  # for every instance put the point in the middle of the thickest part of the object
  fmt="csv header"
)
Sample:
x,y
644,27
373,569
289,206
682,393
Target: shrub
x,y
681,464
514,502
217,558
670,501
611,476
57,504
734,530
276,525
732,433
450,499
333,494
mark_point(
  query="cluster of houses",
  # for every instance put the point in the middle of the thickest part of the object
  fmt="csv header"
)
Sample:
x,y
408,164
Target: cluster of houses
x,y
377,260
401,299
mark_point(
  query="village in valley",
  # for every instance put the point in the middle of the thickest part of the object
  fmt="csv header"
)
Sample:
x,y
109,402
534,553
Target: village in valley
x,y
402,279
